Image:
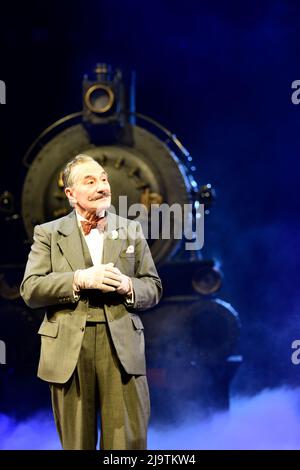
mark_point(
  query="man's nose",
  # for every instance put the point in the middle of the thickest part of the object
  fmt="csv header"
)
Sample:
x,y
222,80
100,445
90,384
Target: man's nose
x,y
102,186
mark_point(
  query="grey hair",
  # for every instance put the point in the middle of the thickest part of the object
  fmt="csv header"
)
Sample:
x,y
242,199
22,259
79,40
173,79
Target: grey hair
x,y
67,177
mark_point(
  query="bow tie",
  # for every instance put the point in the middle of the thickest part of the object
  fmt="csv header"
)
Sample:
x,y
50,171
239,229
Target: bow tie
x,y
99,222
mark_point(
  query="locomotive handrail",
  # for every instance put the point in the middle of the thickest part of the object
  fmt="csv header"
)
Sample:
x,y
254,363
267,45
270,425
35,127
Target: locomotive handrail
x,y
69,117
45,132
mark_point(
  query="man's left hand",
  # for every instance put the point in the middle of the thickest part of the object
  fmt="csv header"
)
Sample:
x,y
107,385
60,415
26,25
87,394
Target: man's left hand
x,y
125,286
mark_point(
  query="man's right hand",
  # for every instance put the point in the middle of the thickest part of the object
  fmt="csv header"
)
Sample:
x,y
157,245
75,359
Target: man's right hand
x,y
103,277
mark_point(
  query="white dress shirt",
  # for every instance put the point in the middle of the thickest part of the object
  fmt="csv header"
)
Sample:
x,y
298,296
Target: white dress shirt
x,y
94,241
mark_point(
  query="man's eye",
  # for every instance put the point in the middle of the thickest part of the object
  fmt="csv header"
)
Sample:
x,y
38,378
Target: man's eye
x,y
90,182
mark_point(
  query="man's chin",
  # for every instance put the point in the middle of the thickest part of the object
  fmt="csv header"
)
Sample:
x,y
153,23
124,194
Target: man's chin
x,y
103,205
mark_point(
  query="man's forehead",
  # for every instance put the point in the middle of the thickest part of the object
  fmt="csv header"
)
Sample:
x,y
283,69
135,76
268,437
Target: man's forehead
x,y
88,169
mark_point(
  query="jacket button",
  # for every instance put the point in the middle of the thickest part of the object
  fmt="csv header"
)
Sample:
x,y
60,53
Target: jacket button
x,y
82,328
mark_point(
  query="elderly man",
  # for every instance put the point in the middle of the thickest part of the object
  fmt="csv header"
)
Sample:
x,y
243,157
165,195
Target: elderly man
x,y
92,270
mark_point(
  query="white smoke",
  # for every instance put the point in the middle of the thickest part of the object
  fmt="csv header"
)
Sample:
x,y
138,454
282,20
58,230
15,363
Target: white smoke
x,y
35,433
269,420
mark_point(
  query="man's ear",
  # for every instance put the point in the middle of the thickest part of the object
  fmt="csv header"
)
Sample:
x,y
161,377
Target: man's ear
x,y
70,195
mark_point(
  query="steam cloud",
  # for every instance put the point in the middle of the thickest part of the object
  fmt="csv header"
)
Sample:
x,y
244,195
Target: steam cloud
x,y
269,420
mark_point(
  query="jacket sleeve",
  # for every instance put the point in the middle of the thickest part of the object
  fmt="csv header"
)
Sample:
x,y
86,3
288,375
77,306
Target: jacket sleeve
x,y
146,283
40,286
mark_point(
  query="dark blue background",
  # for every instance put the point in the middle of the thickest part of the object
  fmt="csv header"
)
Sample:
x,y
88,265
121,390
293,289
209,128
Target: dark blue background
x,y
219,75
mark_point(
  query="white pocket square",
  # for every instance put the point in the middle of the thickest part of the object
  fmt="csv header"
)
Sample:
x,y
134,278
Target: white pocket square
x,y
130,249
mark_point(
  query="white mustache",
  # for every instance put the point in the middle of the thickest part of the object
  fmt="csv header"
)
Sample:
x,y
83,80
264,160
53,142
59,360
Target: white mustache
x,y
99,197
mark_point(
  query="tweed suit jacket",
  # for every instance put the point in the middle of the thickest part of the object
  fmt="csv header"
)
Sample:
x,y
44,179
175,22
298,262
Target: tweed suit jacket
x,y
48,283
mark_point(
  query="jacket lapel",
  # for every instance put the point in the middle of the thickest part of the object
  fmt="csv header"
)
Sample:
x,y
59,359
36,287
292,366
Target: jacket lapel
x,y
69,241
114,238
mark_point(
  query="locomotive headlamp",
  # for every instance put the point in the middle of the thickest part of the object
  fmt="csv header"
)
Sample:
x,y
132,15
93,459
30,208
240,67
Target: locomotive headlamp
x,y
103,96
99,99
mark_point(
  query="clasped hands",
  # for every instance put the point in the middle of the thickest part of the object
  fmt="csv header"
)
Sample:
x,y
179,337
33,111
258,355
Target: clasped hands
x,y
104,277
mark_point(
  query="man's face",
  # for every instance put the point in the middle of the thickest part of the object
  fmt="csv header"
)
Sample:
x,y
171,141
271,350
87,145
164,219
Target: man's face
x,y
90,192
